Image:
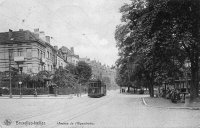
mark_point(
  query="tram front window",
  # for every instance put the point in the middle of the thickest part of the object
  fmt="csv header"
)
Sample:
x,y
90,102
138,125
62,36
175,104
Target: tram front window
x,y
93,90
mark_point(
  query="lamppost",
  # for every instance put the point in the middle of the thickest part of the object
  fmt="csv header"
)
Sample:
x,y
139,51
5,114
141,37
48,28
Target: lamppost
x,y
20,82
19,60
10,55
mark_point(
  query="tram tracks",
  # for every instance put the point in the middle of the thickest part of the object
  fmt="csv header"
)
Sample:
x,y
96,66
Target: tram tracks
x,y
68,113
29,116
83,111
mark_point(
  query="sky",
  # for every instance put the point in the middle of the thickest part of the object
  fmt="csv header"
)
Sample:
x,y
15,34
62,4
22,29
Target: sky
x,y
86,25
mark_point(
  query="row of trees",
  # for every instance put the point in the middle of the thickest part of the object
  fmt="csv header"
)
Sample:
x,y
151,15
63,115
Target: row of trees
x,y
155,39
71,76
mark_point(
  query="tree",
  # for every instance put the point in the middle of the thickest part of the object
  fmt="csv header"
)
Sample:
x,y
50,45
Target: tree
x,y
178,23
63,78
134,45
84,72
25,78
71,68
44,77
107,81
148,37
35,80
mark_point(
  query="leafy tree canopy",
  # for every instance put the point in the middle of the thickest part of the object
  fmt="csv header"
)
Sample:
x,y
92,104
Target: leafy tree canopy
x,y
84,72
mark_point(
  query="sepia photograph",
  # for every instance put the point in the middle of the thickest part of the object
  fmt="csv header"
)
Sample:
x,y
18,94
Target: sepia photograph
x,y
99,63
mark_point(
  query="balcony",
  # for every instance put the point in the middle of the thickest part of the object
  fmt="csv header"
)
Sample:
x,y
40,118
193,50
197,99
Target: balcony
x,y
42,61
19,59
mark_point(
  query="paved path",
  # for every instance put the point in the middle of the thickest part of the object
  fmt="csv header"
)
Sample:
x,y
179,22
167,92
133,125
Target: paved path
x,y
166,103
112,111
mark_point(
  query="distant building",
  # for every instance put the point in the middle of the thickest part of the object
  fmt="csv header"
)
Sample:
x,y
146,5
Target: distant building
x,y
101,71
61,61
69,55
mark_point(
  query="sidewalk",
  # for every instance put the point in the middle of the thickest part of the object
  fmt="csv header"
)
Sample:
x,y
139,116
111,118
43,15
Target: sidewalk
x,y
166,103
42,96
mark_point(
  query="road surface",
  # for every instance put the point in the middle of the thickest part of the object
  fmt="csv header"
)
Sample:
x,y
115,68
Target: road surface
x,y
112,111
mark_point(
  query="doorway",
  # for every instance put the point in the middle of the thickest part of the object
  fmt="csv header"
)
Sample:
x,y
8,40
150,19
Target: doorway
x,y
51,90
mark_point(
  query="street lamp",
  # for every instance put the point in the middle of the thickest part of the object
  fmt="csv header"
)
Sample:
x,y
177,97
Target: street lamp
x,y
19,60
10,55
20,84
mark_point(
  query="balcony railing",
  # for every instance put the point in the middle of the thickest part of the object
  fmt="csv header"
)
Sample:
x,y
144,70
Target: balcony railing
x,y
19,59
42,60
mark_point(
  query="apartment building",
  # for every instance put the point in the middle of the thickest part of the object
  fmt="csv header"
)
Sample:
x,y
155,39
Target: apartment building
x,y
61,62
21,49
30,51
69,55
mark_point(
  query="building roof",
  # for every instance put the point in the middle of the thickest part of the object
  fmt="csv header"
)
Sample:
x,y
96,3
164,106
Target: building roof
x,y
19,36
68,52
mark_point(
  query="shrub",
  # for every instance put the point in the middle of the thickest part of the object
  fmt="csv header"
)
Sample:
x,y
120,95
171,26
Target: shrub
x,y
25,91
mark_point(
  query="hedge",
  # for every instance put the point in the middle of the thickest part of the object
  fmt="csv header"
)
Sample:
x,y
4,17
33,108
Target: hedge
x,y
40,91
25,91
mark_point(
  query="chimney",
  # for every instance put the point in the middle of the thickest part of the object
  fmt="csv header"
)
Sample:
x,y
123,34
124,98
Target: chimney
x,y
56,47
72,50
10,34
36,30
47,39
42,35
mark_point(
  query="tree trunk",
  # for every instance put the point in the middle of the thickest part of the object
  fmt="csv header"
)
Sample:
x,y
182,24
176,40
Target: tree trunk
x,y
128,89
150,85
151,88
194,81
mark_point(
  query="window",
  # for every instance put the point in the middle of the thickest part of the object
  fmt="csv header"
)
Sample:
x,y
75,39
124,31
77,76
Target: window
x,y
40,54
48,54
19,52
53,58
43,54
38,51
29,67
10,53
29,53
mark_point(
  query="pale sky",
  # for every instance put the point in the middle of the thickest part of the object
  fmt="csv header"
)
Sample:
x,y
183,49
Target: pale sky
x,y
86,25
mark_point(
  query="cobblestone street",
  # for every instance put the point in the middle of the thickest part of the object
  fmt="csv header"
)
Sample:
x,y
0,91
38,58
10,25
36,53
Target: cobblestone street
x,y
114,110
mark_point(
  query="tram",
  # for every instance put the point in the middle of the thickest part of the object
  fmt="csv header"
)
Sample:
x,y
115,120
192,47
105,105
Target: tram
x,y
96,88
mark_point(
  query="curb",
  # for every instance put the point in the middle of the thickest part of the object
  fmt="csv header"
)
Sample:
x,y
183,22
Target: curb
x,y
43,97
189,108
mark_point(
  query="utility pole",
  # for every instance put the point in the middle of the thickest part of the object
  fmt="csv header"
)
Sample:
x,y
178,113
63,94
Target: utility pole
x,y
10,54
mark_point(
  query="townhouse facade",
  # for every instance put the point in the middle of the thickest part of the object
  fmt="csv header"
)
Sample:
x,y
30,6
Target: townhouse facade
x,y
61,62
23,50
29,51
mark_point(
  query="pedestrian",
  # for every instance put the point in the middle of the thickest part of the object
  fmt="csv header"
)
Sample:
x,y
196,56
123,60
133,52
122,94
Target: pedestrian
x,y
35,92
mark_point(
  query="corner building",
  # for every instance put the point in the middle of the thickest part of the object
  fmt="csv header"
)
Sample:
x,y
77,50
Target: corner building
x,y
30,51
